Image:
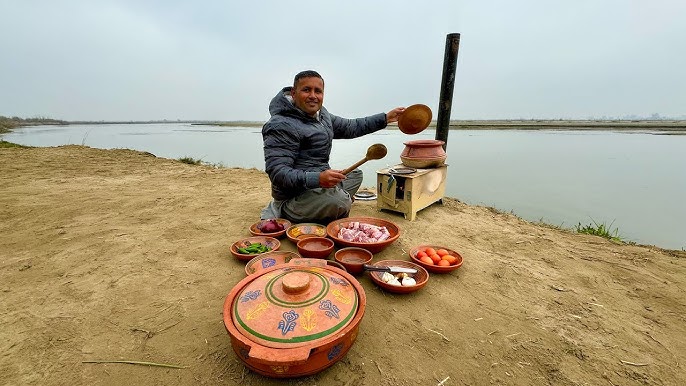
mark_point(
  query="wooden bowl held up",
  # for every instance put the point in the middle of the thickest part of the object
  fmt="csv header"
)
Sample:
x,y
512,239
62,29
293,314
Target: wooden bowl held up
x,y
434,268
353,259
415,119
255,228
270,242
334,227
315,247
421,277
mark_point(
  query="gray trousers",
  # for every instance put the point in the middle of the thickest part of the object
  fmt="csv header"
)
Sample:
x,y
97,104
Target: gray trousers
x,y
318,205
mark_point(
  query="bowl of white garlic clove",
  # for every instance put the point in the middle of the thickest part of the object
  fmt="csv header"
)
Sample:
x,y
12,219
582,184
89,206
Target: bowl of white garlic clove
x,y
400,283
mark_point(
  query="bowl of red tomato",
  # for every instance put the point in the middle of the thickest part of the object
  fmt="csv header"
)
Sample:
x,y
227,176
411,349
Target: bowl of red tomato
x,y
436,258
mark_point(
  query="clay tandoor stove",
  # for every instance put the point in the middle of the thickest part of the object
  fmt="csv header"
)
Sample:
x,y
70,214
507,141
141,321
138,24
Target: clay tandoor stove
x,y
417,182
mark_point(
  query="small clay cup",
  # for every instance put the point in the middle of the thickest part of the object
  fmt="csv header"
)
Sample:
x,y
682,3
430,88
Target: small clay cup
x,y
353,259
315,247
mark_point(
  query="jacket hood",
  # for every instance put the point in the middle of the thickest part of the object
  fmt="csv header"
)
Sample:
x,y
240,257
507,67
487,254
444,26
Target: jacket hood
x,y
281,104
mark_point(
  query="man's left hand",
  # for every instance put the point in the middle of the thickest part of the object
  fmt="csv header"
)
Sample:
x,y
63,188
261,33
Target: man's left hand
x,y
393,115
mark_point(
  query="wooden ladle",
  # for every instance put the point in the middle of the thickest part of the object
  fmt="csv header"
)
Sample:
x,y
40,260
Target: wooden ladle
x,y
376,151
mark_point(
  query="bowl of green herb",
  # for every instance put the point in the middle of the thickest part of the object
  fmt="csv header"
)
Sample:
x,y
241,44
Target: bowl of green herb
x,y
247,248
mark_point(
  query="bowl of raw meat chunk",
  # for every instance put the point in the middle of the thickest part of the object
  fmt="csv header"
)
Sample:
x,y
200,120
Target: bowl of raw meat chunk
x,y
371,233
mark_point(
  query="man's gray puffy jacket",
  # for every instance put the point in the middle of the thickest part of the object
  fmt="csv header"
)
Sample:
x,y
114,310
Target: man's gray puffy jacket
x,y
297,146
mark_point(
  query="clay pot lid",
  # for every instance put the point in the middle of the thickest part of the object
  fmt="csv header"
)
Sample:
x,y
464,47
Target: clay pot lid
x,y
415,119
292,306
402,170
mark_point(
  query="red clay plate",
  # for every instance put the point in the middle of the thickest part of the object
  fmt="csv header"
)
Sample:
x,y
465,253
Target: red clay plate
x,y
269,259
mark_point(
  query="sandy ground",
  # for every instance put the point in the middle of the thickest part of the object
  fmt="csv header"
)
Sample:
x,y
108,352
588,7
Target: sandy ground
x,y
118,255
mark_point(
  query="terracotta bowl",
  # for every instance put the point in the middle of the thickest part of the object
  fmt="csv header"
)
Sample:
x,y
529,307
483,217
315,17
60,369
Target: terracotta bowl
x,y
423,148
353,259
315,247
423,163
309,262
255,231
298,232
433,267
271,242
269,259
421,277
335,226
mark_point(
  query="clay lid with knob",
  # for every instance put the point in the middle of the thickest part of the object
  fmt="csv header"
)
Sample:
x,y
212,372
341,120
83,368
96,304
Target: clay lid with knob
x,y
294,306
415,119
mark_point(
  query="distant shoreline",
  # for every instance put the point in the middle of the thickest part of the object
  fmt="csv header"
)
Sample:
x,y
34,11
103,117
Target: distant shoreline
x,y
670,126
677,127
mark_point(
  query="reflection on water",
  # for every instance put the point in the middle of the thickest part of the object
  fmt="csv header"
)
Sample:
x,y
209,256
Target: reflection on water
x,y
635,181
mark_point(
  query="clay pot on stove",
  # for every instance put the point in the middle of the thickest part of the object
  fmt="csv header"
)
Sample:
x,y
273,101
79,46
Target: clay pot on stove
x,y
423,154
294,319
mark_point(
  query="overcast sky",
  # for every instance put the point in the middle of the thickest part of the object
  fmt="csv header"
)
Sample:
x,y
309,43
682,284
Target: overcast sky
x,y
225,60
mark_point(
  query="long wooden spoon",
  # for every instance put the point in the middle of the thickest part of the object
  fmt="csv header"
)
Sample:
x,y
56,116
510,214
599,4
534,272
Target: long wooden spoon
x,y
376,151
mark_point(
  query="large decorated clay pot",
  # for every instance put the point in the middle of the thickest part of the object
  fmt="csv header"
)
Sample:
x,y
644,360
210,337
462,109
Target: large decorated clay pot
x,y
423,154
294,319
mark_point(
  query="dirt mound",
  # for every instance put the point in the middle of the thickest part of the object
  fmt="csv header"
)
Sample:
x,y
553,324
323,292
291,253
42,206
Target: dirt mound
x,y
116,255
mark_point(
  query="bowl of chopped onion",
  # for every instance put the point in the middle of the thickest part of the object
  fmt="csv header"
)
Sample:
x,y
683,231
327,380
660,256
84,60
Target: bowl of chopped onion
x,y
371,233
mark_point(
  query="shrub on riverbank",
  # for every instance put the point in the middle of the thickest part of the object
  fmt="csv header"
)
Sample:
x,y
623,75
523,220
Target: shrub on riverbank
x,y
7,123
190,161
601,230
5,144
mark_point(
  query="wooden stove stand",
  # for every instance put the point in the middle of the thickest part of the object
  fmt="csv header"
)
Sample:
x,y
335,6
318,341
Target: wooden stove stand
x,y
410,193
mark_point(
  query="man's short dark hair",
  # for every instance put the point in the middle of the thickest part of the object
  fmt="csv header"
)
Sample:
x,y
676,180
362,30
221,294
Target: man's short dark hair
x,y
306,74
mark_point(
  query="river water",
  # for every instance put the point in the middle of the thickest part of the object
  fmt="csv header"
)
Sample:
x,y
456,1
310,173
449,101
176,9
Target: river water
x,y
635,182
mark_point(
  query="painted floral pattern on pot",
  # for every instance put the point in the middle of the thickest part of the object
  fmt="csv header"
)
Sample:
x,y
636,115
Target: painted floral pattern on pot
x,y
288,323
250,295
330,308
335,351
329,300
294,320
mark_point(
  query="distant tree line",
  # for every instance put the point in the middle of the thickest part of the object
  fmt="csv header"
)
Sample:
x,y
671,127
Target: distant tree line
x,y
9,123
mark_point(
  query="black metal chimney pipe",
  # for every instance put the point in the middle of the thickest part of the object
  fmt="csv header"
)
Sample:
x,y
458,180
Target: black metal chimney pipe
x,y
452,45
